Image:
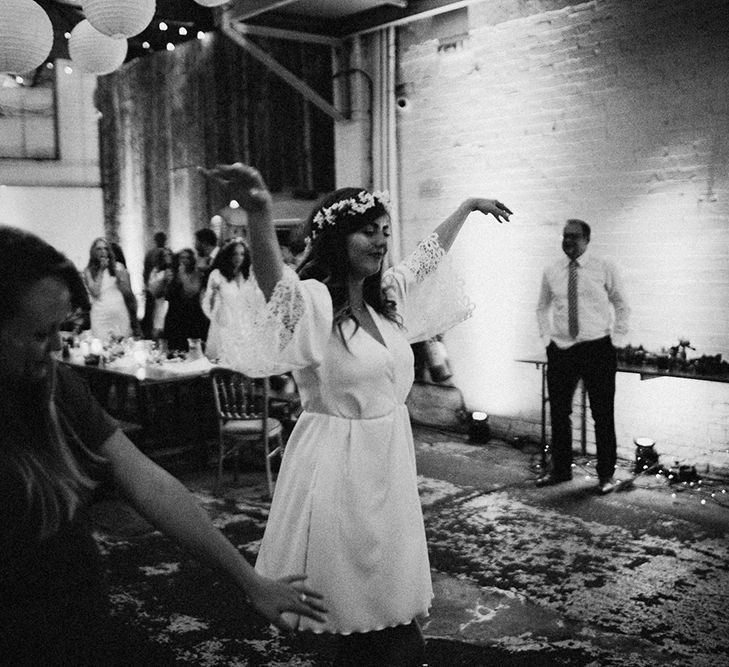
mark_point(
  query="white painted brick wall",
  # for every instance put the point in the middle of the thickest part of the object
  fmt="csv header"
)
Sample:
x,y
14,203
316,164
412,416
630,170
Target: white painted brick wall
x,y
616,112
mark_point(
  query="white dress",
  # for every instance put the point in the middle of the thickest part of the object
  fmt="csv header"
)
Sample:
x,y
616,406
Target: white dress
x,y
109,314
221,295
346,509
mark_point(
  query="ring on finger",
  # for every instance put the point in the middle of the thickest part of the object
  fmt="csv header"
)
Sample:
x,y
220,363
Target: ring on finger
x,y
303,597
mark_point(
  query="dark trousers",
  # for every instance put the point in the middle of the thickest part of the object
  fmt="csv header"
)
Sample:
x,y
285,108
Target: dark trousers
x,y
595,363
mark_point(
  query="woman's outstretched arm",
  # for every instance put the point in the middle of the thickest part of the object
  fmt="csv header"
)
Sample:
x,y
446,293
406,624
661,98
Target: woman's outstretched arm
x,y
449,228
167,504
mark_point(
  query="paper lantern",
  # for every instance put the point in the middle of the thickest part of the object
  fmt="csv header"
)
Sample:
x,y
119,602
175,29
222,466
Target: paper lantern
x,y
26,36
212,3
93,52
119,18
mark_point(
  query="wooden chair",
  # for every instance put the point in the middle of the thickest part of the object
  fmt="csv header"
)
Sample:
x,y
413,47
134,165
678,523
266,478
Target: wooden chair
x,y
242,405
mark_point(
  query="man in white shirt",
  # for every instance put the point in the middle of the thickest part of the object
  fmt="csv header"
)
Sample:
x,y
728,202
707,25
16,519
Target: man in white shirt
x,y
582,306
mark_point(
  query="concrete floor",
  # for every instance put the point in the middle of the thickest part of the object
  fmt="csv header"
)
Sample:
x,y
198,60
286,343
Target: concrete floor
x,y
562,575
657,554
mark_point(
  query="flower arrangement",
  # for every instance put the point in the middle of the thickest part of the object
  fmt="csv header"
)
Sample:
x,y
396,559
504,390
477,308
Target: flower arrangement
x,y
351,206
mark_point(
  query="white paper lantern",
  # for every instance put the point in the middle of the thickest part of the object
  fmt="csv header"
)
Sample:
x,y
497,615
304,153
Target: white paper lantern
x,y
212,3
93,52
26,36
119,18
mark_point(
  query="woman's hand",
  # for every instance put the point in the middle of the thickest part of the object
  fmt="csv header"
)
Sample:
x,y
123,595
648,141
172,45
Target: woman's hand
x,y
500,211
271,598
244,184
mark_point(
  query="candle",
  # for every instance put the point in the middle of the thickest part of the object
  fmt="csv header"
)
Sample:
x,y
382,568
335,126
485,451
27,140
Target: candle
x,y
96,347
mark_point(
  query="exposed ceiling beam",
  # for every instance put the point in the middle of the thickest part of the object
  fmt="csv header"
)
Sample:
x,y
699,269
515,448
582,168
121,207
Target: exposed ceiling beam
x,y
385,17
229,29
280,33
244,10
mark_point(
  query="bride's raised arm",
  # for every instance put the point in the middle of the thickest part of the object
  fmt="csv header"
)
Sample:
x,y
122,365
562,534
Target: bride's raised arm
x,y
246,185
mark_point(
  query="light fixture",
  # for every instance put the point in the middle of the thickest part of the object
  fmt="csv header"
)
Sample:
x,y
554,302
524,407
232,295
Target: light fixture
x,y
646,458
95,52
26,36
478,427
121,18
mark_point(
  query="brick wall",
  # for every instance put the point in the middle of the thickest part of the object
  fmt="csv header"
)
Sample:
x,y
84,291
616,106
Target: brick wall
x,y
613,111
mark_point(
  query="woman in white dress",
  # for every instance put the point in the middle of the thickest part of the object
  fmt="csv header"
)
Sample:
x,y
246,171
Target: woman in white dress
x,y
228,284
110,291
346,508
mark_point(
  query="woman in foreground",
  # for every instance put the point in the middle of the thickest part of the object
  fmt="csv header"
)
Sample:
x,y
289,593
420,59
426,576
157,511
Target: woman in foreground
x,y
56,446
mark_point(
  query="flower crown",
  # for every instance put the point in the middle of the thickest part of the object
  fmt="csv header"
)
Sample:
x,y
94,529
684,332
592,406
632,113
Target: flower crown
x,y
351,206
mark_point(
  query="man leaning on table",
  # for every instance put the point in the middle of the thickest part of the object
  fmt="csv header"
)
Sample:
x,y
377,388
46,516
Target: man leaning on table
x,y
582,307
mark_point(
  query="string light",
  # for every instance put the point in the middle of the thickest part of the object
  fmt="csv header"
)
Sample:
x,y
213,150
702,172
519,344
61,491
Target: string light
x,y
182,30
162,26
170,46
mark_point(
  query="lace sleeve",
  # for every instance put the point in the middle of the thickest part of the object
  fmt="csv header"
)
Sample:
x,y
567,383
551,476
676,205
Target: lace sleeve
x,y
285,309
426,257
287,332
429,293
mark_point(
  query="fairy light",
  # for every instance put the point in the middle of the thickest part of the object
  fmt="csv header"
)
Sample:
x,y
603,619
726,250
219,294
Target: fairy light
x,y
200,34
182,30
170,46
162,26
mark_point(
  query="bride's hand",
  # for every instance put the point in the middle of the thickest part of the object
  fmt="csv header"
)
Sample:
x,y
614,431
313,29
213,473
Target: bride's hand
x,y
500,211
243,183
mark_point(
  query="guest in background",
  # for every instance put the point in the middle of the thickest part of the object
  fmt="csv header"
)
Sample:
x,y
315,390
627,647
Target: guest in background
x,y
185,317
150,257
112,299
206,247
228,285
159,279
346,504
150,261
57,444
582,302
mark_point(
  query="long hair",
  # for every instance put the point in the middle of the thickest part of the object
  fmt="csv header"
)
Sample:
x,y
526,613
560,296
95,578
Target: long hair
x,y
94,264
224,260
37,448
327,260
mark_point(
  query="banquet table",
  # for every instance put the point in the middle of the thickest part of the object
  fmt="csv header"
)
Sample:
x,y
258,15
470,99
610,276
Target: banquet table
x,y
645,372
166,408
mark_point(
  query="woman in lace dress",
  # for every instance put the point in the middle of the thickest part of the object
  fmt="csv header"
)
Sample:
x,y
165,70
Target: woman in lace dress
x,y
346,509
227,284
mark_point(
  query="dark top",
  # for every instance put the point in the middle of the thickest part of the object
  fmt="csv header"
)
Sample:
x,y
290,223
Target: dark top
x,y
51,589
185,317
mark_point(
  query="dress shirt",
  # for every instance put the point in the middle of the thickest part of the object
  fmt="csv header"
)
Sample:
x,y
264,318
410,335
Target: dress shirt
x,y
602,306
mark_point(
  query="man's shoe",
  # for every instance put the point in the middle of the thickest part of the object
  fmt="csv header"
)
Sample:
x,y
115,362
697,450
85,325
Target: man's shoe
x,y
550,479
608,485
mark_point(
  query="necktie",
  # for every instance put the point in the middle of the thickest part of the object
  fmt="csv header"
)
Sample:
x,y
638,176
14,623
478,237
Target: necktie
x,y
572,300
